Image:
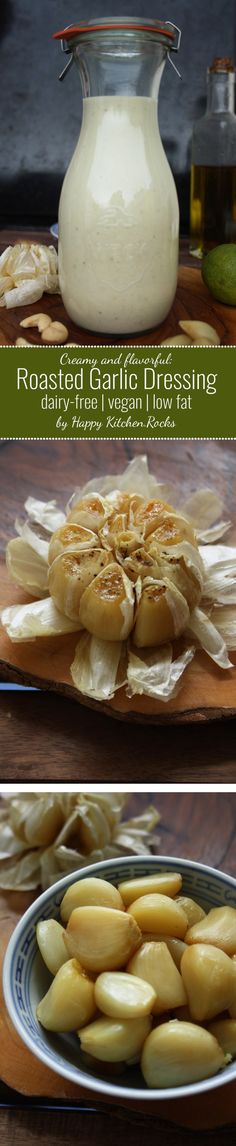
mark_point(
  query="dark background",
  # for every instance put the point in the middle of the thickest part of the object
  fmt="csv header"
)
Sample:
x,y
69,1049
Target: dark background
x,y
40,118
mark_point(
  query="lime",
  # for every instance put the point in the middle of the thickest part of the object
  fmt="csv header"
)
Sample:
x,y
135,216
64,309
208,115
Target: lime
x,y
219,273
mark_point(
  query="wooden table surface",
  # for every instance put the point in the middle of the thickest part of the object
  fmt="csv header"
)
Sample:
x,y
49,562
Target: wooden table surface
x,y
201,826
44,736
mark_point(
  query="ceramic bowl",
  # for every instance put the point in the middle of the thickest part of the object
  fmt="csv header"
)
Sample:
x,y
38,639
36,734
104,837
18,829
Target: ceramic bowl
x,y
26,979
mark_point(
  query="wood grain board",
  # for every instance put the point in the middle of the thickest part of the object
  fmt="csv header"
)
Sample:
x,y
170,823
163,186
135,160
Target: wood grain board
x,y
207,692
192,300
185,821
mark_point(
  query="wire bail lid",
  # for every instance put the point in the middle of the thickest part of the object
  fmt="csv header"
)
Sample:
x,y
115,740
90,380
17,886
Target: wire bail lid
x,y
167,33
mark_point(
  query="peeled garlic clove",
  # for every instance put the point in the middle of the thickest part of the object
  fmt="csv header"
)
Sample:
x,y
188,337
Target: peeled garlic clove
x,y
153,963
69,576
90,892
196,329
69,1003
112,1040
169,884
177,1053
159,913
162,614
218,928
192,910
91,511
208,978
224,1031
176,947
51,944
107,605
103,939
73,537
203,342
177,340
123,996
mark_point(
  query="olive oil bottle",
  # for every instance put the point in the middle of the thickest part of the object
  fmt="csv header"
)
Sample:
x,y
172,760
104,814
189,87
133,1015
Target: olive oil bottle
x,y
213,170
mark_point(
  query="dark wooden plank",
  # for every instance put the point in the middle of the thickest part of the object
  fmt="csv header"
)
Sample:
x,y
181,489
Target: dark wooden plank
x,y
44,739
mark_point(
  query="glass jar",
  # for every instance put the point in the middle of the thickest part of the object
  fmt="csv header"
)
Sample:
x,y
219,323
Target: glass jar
x,y
118,215
213,171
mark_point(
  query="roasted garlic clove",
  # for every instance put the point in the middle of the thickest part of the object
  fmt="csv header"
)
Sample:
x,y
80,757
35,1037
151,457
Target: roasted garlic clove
x,y
103,939
50,939
168,884
71,536
107,605
177,1053
218,928
171,530
156,912
192,910
176,947
123,996
153,963
91,511
112,1040
149,515
69,1003
224,1030
90,892
209,980
162,614
69,576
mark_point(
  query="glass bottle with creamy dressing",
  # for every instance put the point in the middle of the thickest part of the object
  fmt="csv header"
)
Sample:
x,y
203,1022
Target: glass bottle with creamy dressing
x,y
119,215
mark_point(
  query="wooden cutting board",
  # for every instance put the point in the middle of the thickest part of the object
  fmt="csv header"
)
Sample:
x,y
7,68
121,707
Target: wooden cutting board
x,y
207,692
192,300
27,1075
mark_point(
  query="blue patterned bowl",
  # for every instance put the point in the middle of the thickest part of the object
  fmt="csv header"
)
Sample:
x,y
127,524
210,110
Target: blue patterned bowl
x,y
26,979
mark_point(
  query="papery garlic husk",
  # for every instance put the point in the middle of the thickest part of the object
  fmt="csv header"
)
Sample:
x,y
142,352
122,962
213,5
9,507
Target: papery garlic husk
x,y
155,674
95,668
26,567
91,831
38,619
45,513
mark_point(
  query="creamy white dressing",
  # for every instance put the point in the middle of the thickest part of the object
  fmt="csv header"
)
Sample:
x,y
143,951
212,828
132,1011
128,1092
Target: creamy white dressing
x,y
118,219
